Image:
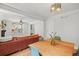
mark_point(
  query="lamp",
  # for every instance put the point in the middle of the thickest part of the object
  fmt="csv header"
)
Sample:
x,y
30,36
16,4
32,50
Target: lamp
x,y
56,7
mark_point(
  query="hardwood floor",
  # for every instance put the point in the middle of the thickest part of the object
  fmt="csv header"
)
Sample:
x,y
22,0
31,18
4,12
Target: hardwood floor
x,y
25,52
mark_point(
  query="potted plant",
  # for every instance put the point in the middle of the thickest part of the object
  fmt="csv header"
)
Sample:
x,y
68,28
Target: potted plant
x,y
54,37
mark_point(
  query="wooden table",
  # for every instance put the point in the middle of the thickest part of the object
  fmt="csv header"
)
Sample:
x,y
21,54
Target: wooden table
x,y
46,49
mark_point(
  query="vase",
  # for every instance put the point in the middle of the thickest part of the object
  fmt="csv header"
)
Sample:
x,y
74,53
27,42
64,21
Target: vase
x,y
3,33
52,42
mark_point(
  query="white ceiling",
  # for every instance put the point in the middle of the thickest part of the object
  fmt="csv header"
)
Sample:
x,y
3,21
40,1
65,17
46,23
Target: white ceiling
x,y
14,17
42,10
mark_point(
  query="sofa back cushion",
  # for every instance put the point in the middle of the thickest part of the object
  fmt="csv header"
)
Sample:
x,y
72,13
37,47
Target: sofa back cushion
x,y
31,38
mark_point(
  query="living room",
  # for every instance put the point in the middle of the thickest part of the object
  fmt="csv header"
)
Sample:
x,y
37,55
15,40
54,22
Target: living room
x,y
27,25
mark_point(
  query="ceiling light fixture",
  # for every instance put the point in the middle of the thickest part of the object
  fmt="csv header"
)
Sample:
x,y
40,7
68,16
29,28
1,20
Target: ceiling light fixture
x,y
56,7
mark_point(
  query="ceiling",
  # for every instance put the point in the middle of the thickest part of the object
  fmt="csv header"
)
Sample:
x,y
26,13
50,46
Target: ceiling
x,y
15,17
42,10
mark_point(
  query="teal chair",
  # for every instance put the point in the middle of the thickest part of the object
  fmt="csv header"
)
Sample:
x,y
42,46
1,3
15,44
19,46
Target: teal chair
x,y
34,51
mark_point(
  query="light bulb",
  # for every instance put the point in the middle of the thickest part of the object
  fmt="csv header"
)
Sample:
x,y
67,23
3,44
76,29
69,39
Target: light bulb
x,y
58,9
53,8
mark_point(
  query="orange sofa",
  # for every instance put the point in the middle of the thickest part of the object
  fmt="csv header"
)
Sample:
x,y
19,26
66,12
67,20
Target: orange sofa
x,y
16,44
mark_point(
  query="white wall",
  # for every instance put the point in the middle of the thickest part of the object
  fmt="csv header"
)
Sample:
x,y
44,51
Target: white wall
x,y
9,29
39,27
49,27
67,26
